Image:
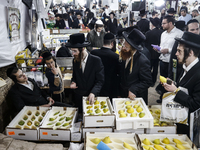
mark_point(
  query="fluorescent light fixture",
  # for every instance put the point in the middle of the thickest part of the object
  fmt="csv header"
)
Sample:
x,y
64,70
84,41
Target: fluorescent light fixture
x,y
159,3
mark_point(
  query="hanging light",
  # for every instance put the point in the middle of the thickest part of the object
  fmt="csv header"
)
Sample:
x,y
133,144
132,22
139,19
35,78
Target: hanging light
x,y
159,3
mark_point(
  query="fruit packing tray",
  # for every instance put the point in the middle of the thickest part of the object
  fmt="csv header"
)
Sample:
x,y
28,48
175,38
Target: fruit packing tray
x,y
166,142
132,114
116,140
60,118
100,103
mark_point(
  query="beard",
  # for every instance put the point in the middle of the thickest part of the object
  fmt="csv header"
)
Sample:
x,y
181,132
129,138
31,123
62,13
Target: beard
x,y
125,55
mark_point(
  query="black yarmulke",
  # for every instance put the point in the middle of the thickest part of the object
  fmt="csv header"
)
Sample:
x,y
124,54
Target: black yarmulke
x,y
109,36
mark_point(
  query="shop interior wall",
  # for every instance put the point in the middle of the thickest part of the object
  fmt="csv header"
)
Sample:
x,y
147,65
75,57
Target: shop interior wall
x,y
8,49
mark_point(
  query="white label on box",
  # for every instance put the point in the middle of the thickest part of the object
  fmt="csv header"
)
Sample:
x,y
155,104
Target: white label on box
x,y
55,31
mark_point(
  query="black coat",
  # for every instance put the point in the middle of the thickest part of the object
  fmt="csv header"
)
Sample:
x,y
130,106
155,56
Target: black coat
x,y
112,26
143,25
22,95
76,23
153,37
60,24
111,64
92,79
140,79
92,23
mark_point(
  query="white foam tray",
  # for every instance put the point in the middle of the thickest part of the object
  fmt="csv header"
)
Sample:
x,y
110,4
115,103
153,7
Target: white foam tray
x,y
132,122
117,140
101,119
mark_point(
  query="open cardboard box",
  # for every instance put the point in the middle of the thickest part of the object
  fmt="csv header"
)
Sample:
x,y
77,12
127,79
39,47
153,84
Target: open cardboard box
x,y
132,122
104,120
117,140
186,142
53,132
26,132
167,129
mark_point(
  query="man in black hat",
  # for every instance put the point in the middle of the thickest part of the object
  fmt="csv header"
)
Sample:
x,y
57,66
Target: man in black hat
x,y
153,37
112,24
143,24
171,12
88,70
79,22
60,23
187,54
175,69
136,70
25,91
111,64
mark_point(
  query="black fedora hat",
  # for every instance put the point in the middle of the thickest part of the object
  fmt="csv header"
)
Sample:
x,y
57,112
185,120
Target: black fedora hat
x,y
112,13
77,41
180,24
143,12
109,36
190,40
171,10
129,29
155,22
134,38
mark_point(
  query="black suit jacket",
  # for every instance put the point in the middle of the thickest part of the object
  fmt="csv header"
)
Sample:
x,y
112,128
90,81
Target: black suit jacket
x,y
60,24
111,64
22,95
112,26
153,37
143,25
76,23
92,79
140,79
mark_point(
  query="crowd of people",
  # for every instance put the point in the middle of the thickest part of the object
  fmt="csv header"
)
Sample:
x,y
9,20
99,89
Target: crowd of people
x,y
99,71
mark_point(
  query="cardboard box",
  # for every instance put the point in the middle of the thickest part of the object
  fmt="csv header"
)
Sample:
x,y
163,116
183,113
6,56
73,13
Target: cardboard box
x,y
132,122
117,140
138,131
61,133
100,129
26,132
186,142
103,120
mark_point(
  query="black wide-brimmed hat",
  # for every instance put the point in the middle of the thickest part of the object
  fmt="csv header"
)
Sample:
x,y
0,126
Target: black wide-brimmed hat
x,y
77,41
129,29
134,38
180,24
143,12
190,40
155,21
109,36
112,13
171,10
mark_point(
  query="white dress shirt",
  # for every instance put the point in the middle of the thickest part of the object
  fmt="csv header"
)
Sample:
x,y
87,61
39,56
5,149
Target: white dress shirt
x,y
83,62
67,24
29,85
167,42
81,22
186,69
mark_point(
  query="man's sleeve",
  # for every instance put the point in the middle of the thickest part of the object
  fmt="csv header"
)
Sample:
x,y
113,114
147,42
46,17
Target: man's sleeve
x,y
17,100
99,77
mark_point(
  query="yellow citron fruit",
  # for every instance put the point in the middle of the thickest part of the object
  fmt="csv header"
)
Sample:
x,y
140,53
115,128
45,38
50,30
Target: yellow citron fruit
x,y
122,115
158,111
105,110
97,110
130,110
127,102
150,148
135,106
103,102
95,107
156,141
87,102
139,109
88,107
106,140
133,115
177,141
141,114
120,111
163,79
164,124
158,147
156,124
169,147
126,145
128,106
96,140
96,102
89,111
146,147
155,121
180,146
166,140
146,141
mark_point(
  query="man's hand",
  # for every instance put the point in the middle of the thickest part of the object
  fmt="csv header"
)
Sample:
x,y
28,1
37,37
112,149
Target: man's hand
x,y
170,88
164,51
91,98
131,95
155,49
51,101
54,71
73,85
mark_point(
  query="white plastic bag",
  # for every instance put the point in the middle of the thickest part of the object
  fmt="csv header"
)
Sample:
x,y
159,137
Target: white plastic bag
x,y
76,146
39,79
172,111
